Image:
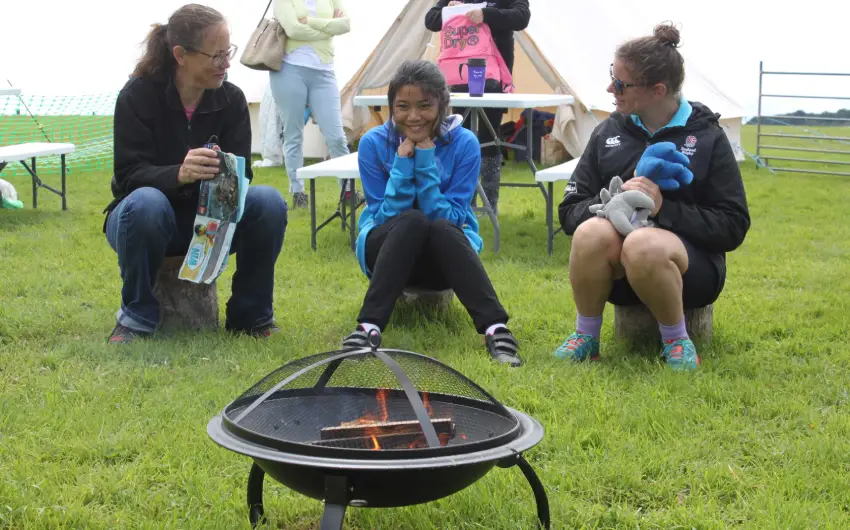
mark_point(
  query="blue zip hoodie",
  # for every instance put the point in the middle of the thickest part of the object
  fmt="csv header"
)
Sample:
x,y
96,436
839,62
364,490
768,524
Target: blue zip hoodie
x,y
440,181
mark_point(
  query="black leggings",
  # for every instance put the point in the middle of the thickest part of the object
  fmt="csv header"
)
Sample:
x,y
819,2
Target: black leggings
x,y
411,251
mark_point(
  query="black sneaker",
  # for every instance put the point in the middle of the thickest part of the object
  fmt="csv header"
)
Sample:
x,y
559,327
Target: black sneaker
x,y
300,200
259,332
503,347
124,335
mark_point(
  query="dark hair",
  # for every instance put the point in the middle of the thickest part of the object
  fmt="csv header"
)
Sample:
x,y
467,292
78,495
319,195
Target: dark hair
x,y
186,28
430,80
655,59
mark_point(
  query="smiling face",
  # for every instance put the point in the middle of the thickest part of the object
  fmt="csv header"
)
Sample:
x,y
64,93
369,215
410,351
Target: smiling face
x,y
415,113
630,96
206,67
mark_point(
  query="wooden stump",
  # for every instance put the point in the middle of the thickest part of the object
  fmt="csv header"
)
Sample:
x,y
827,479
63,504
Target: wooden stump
x,y
428,298
184,306
637,322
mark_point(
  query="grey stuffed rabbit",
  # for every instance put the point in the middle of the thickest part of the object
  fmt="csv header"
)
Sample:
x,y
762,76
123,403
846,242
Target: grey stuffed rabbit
x,y
620,207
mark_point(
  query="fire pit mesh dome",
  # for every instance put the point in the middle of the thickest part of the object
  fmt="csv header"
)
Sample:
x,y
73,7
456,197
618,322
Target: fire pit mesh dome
x,y
367,400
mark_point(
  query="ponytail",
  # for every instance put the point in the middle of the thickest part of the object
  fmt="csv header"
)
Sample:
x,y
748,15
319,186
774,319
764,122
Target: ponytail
x,y
185,28
158,57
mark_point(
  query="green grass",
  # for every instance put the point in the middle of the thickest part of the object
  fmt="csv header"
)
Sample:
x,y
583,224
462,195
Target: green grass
x,y
93,436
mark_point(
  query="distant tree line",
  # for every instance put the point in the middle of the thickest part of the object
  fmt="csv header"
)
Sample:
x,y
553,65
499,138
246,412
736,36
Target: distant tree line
x,y
811,119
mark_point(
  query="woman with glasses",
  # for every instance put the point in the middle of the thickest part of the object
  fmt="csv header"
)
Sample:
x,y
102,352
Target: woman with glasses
x,y
307,78
679,263
176,101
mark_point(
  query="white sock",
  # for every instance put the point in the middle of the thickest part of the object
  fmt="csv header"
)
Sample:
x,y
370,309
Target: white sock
x,y
367,327
492,329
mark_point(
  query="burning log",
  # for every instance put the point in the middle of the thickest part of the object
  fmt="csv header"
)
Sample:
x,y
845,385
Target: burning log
x,y
376,435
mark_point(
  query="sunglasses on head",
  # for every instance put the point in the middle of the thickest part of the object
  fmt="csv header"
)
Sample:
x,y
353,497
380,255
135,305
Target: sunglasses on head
x,y
619,86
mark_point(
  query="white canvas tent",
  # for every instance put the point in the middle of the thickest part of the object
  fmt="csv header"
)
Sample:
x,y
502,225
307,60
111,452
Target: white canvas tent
x,y
566,49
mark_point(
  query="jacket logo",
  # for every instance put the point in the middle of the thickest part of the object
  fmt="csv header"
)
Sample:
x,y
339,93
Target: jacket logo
x,y
688,148
614,141
570,189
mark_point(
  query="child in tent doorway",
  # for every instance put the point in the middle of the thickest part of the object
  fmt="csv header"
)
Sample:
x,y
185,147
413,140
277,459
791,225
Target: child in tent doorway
x,y
503,18
419,172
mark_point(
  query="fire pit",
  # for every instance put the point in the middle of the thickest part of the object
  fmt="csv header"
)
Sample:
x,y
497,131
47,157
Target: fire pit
x,y
376,428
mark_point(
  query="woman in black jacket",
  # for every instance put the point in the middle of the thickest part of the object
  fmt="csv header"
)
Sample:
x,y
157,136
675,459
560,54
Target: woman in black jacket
x,y
176,101
503,18
680,263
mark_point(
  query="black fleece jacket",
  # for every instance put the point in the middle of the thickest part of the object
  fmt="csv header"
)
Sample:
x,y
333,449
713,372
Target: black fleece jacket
x,y
711,212
153,135
503,16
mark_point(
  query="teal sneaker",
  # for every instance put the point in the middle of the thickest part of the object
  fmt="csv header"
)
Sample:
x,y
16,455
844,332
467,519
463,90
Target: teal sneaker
x,y
579,347
681,354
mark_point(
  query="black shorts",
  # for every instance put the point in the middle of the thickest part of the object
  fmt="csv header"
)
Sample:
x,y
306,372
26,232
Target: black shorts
x,y
702,283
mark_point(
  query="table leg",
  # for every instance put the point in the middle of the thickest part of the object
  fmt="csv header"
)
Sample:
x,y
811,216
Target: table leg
x,y
34,185
313,213
64,203
549,220
352,207
473,125
342,206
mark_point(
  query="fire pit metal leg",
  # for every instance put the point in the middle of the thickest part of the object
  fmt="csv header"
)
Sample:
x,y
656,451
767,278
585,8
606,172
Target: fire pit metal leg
x,y
255,495
539,491
333,516
336,501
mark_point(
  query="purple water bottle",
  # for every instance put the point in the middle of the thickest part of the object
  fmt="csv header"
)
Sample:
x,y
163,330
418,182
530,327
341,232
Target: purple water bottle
x,y
477,76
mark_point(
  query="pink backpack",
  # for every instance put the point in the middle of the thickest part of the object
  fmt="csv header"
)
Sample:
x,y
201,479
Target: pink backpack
x,y
462,40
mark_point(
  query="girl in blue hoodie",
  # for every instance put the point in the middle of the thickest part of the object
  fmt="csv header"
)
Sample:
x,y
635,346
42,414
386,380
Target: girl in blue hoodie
x,y
419,172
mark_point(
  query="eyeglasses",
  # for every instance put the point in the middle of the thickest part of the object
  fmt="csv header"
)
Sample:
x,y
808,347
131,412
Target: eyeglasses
x,y
619,86
219,58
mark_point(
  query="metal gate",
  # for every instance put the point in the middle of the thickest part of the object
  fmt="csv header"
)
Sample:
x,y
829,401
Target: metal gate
x,y
839,156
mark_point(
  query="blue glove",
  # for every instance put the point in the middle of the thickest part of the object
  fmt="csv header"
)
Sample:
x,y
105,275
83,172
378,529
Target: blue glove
x,y
665,166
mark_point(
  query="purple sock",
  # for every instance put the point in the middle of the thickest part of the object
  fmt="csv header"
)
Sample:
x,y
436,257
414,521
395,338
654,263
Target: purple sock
x,y
676,331
589,325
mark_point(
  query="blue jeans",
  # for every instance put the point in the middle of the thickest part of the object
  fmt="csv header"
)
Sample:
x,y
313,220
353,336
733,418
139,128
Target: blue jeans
x,y
293,88
143,229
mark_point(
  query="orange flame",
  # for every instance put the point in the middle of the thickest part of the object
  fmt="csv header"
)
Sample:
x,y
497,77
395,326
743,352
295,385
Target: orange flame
x,y
382,402
427,404
375,445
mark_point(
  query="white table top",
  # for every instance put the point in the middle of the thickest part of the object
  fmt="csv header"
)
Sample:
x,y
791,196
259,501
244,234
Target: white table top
x,y
344,167
14,153
560,172
489,100
10,91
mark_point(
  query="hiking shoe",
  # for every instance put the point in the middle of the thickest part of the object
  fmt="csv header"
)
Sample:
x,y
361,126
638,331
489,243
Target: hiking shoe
x,y
258,332
579,347
124,335
503,347
300,200
681,354
358,338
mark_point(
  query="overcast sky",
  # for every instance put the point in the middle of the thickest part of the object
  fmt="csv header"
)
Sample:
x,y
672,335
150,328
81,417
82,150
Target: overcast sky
x,y
87,47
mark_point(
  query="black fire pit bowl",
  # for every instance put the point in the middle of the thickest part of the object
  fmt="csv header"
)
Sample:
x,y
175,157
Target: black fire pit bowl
x,y
373,428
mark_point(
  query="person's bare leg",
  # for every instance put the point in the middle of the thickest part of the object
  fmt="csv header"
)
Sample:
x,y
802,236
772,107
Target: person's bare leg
x,y
654,261
594,264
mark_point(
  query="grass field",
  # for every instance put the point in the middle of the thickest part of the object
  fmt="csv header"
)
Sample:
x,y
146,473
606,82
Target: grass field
x,y
96,436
